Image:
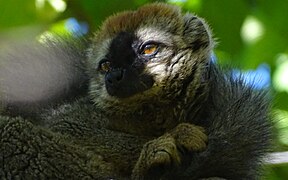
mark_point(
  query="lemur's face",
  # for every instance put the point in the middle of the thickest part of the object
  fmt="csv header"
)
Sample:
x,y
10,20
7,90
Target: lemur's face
x,y
153,53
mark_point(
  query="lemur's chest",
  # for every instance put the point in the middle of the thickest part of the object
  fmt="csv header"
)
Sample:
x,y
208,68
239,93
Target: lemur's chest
x,y
147,122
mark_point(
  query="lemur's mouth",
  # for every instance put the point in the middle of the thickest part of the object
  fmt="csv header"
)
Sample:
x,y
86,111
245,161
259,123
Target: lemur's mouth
x,y
124,83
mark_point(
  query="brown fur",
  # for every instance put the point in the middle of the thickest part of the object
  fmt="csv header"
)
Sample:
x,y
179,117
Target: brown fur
x,y
131,20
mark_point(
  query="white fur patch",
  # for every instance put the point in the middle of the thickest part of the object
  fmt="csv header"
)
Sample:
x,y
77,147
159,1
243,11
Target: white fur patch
x,y
154,34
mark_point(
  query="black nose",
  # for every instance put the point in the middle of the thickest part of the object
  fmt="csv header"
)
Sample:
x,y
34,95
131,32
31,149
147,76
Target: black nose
x,y
115,77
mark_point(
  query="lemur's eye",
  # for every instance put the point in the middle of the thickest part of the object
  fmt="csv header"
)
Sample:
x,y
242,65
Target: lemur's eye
x,y
150,49
105,66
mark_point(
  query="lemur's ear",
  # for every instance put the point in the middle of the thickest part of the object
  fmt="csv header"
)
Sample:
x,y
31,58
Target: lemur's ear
x,y
196,33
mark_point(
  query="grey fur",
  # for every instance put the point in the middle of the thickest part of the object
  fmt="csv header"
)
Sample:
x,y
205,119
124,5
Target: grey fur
x,y
40,73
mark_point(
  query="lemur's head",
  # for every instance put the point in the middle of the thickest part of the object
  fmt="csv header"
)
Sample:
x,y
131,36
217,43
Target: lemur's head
x,y
154,54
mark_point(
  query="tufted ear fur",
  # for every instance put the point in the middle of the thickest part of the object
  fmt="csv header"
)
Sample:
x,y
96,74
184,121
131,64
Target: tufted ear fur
x,y
196,33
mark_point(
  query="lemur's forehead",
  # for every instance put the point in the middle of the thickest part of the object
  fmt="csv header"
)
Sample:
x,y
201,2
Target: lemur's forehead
x,y
156,34
156,22
153,15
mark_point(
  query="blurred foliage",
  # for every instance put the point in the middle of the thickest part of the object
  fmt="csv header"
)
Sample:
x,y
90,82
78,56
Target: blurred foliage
x,y
276,172
249,32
